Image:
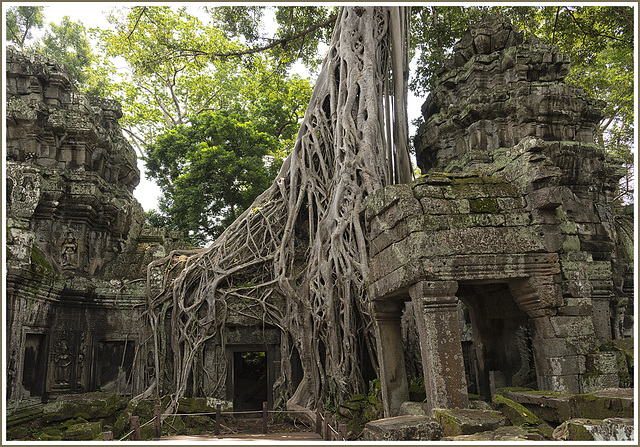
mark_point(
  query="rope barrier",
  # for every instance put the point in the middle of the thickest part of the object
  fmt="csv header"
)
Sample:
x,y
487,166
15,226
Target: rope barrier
x,y
127,435
148,422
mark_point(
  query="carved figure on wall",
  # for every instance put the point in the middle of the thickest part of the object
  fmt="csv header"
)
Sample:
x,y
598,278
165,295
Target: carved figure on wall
x,y
80,361
69,252
63,363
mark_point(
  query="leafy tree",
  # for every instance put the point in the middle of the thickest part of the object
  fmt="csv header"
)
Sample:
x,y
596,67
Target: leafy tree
x,y
210,170
20,22
69,45
177,71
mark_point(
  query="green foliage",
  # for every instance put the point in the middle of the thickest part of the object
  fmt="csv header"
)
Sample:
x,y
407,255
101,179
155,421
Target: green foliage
x,y
293,20
20,22
210,170
68,44
238,20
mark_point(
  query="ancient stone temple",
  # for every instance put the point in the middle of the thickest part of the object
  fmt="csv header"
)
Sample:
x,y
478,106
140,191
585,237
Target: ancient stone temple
x,y
506,249
74,237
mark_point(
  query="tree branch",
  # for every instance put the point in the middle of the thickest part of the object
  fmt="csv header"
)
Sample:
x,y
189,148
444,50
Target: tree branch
x,y
186,51
142,11
586,33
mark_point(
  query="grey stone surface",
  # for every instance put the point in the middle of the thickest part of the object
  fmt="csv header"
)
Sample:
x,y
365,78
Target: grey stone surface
x,y
75,239
607,430
403,428
459,421
515,206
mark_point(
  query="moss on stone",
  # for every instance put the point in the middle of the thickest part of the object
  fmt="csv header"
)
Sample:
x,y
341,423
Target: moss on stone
x,y
449,424
597,407
38,259
579,433
515,412
466,181
86,431
484,205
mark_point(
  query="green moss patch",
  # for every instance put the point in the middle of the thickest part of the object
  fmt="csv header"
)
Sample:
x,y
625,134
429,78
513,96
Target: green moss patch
x,y
484,205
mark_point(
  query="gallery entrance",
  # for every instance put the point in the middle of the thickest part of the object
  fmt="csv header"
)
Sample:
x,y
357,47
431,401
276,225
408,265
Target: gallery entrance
x,y
250,376
249,380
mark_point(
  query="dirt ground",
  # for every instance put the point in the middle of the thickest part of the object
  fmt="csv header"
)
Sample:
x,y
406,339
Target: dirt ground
x,y
237,425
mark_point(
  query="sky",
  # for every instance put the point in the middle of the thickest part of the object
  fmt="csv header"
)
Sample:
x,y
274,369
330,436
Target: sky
x,y
92,14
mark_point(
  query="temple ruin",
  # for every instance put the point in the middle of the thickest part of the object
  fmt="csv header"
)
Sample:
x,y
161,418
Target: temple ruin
x,y
512,220
504,264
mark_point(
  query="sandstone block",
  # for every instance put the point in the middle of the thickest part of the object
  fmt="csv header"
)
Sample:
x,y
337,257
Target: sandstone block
x,y
508,433
460,421
607,430
403,428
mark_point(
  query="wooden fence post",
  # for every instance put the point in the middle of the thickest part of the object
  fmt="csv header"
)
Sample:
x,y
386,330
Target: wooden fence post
x,y
135,426
218,411
107,436
342,429
319,419
325,426
264,418
157,422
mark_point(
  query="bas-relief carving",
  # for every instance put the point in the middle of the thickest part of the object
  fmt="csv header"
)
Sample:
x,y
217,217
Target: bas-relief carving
x,y
69,253
61,200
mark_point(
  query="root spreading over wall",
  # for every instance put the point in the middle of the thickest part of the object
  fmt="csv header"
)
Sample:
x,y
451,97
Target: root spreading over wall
x,y
298,256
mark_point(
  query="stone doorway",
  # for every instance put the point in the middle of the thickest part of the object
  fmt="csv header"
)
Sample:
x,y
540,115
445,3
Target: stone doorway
x,y
114,363
250,380
501,338
250,376
34,364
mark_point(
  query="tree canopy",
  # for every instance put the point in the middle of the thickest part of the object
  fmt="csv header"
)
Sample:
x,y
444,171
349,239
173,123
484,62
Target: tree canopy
x,y
210,170
180,66
20,22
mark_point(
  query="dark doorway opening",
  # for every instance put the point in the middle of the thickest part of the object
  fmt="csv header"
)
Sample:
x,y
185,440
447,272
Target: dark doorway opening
x,y
33,368
249,380
114,361
501,339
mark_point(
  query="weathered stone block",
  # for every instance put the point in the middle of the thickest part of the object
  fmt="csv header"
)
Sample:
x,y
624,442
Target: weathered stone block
x,y
517,414
565,365
87,431
608,430
414,409
569,383
509,433
568,326
459,421
547,405
380,200
435,206
403,428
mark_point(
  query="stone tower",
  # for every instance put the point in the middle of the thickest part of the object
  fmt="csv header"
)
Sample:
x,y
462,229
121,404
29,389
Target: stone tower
x,y
511,229
74,238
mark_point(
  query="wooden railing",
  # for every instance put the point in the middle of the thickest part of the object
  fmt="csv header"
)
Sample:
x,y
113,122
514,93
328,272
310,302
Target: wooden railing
x,y
326,425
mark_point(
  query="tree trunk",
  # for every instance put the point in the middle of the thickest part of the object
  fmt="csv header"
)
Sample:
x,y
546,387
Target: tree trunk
x,y
303,240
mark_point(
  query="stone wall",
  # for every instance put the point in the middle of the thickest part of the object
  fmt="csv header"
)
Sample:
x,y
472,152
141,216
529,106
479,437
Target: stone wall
x,y
75,238
513,217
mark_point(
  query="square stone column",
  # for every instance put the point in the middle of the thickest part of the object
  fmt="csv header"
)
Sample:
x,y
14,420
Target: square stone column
x,y
435,309
393,374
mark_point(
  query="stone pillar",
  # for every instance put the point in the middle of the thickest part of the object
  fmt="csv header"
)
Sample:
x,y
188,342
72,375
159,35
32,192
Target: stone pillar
x,y
393,375
435,309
